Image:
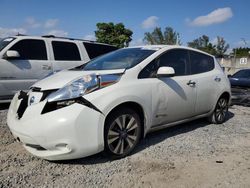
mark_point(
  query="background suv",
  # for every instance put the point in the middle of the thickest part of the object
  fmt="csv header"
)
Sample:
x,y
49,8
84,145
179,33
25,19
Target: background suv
x,y
26,59
116,99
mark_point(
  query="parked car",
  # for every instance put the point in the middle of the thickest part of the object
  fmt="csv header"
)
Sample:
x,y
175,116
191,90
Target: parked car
x,y
113,101
240,86
26,59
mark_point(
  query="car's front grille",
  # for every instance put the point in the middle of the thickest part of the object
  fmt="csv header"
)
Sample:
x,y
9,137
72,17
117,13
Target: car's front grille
x,y
23,96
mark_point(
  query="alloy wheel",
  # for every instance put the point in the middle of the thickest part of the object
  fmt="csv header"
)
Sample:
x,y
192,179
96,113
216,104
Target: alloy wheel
x,y
221,110
123,134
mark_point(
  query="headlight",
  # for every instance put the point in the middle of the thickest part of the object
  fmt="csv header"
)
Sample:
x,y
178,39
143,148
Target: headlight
x,y
75,88
81,86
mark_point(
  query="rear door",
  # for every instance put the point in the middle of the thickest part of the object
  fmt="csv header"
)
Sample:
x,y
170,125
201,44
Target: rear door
x,y
20,73
66,55
207,79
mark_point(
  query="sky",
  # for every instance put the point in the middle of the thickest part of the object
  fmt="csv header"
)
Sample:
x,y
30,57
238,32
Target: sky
x,y
77,18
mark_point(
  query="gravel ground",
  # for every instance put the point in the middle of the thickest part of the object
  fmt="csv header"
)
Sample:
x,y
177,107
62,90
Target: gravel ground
x,y
195,154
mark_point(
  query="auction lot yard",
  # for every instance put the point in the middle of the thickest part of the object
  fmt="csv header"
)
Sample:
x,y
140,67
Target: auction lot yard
x,y
195,154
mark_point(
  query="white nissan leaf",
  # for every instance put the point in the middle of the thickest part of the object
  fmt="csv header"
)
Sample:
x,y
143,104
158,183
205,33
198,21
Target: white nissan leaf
x,y
113,101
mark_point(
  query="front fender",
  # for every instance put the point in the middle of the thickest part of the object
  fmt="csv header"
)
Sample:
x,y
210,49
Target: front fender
x,y
108,98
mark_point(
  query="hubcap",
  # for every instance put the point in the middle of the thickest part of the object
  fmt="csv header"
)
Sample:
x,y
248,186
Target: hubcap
x,y
221,110
122,134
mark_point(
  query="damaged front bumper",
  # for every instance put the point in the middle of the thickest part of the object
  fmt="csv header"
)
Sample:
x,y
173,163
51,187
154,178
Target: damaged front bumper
x,y
70,132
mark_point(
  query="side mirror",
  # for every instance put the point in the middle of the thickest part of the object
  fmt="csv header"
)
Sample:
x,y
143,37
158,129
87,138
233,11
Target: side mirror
x,y
12,54
165,72
229,76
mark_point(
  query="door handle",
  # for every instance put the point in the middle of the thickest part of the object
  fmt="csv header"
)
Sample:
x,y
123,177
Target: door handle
x,y
191,83
217,79
46,67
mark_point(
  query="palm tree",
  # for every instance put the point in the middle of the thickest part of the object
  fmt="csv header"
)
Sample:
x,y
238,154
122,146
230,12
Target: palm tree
x,y
169,36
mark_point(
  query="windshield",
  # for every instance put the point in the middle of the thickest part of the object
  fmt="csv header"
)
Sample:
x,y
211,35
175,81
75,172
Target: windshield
x,y
119,59
242,74
5,41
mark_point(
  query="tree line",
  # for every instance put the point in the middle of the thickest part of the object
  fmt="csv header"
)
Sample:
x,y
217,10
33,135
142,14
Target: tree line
x,y
118,35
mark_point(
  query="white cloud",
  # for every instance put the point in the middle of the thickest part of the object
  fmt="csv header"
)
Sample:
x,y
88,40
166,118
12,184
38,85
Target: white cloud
x,y
30,25
30,22
58,33
215,17
150,22
5,32
51,23
137,42
89,37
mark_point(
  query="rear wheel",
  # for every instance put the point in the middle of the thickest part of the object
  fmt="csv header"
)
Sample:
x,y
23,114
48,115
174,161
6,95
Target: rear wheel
x,y
220,111
122,132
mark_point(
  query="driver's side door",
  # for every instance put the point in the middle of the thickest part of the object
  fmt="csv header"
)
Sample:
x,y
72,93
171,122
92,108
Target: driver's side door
x,y
173,98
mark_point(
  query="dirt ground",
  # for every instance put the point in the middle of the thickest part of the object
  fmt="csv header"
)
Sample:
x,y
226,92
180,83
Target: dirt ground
x,y
195,154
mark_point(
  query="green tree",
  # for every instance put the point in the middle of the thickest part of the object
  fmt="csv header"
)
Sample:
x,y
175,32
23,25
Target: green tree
x,y
241,52
114,34
202,43
221,47
169,36
199,43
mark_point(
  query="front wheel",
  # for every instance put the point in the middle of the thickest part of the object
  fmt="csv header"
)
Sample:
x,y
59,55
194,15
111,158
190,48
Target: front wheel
x,y
122,132
220,112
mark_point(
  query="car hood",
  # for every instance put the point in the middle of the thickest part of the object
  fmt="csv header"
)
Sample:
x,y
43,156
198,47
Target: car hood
x,y
60,79
240,82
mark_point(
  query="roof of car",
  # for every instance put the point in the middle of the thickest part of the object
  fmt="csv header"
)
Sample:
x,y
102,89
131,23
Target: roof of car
x,y
158,47
57,38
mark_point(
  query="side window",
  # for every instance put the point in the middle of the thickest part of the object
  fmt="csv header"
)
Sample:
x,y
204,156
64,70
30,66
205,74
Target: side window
x,y
31,49
177,59
150,70
95,50
66,51
200,62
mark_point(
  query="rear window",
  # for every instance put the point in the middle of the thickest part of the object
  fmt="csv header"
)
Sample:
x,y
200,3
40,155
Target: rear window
x,y
200,63
95,50
65,51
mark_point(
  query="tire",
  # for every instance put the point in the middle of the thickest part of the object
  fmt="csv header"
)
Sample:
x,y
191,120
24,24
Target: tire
x,y
122,133
220,112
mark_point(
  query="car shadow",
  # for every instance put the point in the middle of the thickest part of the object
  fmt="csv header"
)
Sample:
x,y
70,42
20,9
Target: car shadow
x,y
4,106
161,135
150,140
